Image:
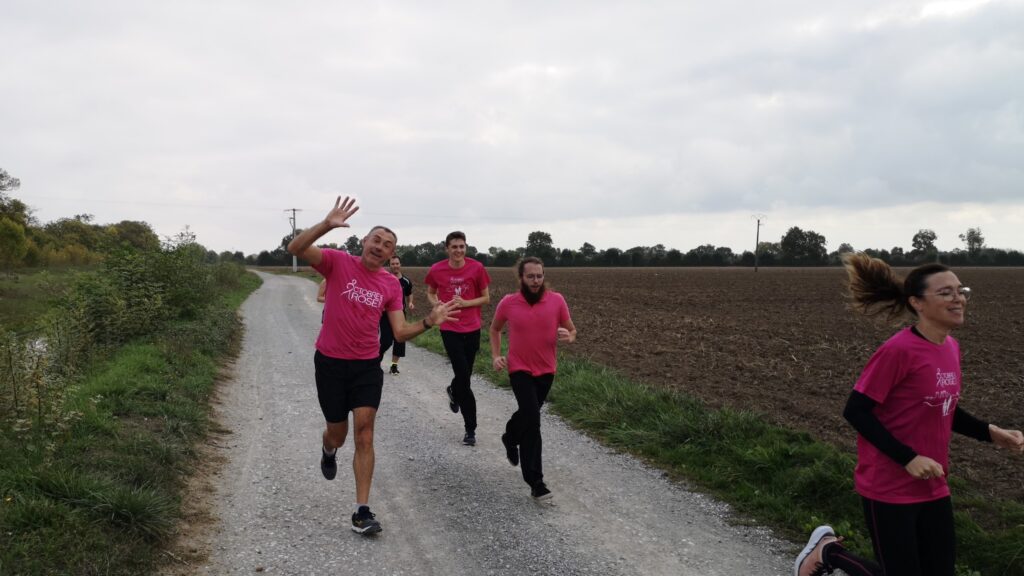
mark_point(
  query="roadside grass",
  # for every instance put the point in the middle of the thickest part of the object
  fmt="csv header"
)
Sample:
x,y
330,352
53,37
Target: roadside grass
x,y
770,475
102,495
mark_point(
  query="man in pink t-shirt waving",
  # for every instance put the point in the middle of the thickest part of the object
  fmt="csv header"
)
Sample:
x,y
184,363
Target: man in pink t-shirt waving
x,y
465,282
538,319
348,375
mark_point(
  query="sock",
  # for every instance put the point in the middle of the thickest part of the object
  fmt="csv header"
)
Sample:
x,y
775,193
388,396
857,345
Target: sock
x,y
330,452
358,506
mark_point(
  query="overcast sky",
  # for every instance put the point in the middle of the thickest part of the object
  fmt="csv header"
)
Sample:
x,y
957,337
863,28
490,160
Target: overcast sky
x,y
615,123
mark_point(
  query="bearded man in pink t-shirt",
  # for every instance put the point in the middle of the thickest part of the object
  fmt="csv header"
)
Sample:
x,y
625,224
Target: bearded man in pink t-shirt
x,y
537,319
347,360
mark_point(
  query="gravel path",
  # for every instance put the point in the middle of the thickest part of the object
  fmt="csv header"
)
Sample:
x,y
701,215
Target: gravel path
x,y
445,508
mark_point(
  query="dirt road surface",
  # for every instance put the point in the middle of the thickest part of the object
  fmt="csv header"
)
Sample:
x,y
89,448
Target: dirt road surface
x,y
262,506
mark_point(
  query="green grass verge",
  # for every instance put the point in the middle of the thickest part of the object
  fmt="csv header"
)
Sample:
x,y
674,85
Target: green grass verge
x,y
103,497
770,475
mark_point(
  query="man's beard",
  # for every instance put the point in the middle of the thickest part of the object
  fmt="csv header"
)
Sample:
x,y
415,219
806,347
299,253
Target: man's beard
x,y
531,297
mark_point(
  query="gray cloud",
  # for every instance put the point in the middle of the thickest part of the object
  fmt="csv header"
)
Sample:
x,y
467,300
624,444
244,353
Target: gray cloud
x,y
436,115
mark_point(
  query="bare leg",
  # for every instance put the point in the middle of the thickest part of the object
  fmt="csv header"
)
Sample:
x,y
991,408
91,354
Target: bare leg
x,y
334,434
363,458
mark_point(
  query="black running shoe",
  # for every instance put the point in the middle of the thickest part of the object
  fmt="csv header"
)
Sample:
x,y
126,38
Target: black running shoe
x,y
540,492
329,464
364,522
394,369
511,450
469,439
452,404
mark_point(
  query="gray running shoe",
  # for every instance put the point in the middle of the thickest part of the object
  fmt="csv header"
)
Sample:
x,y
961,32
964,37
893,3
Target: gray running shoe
x,y
810,561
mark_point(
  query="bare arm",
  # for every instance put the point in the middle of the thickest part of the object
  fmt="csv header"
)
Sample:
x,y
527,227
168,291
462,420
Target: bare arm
x,y
303,244
567,331
498,361
321,291
442,312
432,295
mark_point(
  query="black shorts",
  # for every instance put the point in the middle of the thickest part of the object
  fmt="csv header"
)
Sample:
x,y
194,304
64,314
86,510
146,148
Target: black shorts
x,y
342,385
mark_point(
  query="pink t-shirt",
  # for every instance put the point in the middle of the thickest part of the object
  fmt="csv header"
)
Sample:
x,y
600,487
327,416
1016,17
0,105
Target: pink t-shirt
x,y
356,299
916,384
468,282
532,331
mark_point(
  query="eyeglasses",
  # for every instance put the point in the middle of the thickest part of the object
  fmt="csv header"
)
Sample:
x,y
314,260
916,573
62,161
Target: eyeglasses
x,y
950,295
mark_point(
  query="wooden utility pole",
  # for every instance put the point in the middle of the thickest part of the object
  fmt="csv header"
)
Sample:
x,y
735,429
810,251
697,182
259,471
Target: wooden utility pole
x,y
295,259
757,237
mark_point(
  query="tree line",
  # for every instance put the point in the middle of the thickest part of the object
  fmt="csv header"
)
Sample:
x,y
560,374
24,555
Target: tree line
x,y
77,240
796,247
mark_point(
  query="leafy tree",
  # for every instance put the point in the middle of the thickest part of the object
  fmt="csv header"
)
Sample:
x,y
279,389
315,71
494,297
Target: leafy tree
x,y
588,252
566,257
611,257
8,182
924,244
636,256
656,255
265,259
803,248
78,231
13,244
724,256
768,253
539,244
134,233
504,257
974,241
353,245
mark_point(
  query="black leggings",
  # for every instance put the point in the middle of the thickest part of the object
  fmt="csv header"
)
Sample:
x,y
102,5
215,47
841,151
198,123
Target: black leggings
x,y
387,339
462,348
523,428
909,540
913,539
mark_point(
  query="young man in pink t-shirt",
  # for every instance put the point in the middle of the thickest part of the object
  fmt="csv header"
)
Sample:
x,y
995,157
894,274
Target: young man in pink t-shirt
x,y
465,282
348,375
537,319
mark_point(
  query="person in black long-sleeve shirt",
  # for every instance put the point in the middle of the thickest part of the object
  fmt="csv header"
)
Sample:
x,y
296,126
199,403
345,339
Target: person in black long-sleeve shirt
x,y
905,407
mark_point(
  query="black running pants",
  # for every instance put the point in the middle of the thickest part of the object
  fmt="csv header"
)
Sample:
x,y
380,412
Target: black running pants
x,y
913,539
523,428
462,348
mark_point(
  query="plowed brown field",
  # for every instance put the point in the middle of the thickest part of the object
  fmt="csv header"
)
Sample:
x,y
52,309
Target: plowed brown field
x,y
782,343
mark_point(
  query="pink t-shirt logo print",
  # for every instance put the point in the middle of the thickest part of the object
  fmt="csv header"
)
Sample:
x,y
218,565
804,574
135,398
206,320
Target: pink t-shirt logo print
x,y
362,295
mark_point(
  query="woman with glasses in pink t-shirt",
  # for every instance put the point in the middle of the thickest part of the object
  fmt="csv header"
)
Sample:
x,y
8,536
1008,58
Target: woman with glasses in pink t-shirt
x,y
905,407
